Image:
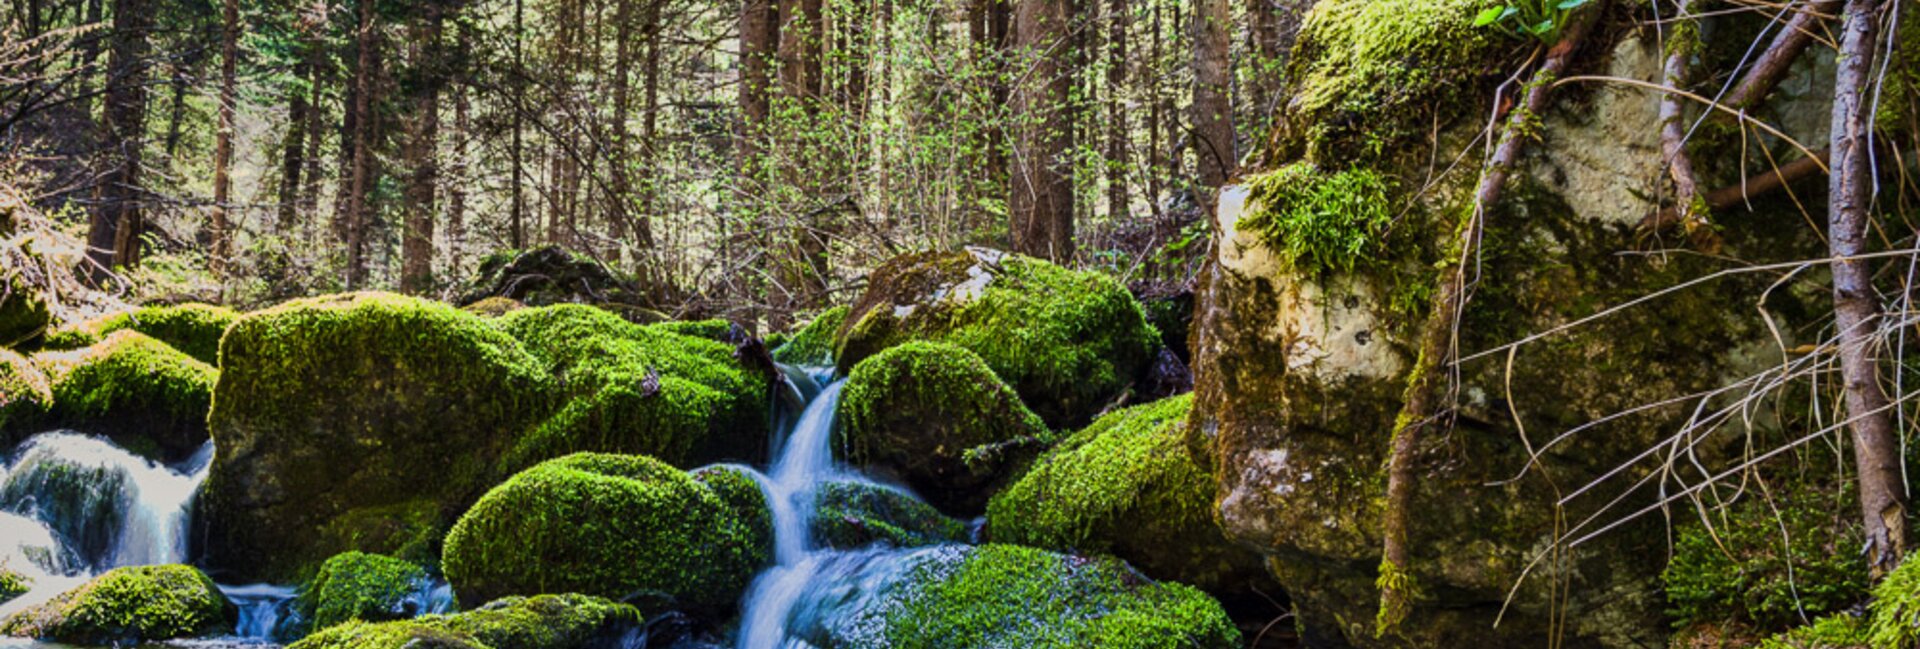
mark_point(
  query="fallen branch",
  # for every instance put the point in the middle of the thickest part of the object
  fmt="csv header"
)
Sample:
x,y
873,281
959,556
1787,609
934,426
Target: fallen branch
x,y
1737,194
1681,46
1773,64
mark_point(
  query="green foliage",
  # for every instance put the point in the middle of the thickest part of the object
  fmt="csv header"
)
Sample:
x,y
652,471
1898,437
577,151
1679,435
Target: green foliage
x,y
540,622
813,344
191,328
25,396
494,307
129,606
1320,221
1540,20
130,385
12,584
1895,619
1744,570
857,514
1012,596
358,586
1837,631
629,528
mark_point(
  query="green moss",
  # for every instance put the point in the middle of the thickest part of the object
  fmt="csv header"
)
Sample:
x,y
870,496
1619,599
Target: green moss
x,y
857,514
1745,571
25,396
715,329
813,344
625,527
134,388
938,417
191,328
494,307
1896,607
1899,94
129,606
1012,596
12,584
1837,631
1320,221
1369,74
359,586
23,316
541,622
1067,341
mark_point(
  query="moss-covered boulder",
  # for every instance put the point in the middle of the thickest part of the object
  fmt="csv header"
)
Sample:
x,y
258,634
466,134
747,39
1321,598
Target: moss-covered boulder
x,y
813,343
360,586
548,275
13,583
362,421
540,622
960,597
25,396
1129,486
625,527
939,419
1068,342
191,328
129,606
627,388
494,307
146,395
23,315
851,515
715,329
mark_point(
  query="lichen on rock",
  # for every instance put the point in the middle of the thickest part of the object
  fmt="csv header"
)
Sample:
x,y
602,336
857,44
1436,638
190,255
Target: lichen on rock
x,y
129,606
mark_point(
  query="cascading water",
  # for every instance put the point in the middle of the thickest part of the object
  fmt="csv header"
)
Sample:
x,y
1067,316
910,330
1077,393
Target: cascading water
x,y
108,506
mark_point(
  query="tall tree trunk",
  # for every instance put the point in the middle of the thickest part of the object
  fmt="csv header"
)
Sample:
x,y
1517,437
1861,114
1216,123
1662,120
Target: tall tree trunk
x,y
759,40
650,126
360,175
1041,201
1213,142
620,199
291,150
416,247
316,141
223,138
1118,15
117,225
1856,305
456,187
517,223
1156,144
999,31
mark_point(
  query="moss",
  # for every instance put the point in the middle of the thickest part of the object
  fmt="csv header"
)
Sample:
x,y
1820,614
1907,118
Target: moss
x,y
637,389
341,406
1837,631
1369,74
857,514
134,388
1899,94
1320,221
23,316
359,586
812,344
939,418
1743,570
494,307
715,329
540,622
1896,607
25,396
191,328
12,584
629,528
129,606
1012,596
1067,341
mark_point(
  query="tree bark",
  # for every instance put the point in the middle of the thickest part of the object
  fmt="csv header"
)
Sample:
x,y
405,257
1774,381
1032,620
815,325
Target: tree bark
x,y
456,189
1118,17
1213,141
1040,205
759,39
117,225
1773,64
619,200
1682,43
423,166
517,224
1856,305
291,150
360,175
223,137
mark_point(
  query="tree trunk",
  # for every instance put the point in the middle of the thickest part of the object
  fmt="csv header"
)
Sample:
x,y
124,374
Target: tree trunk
x,y
759,39
456,188
1683,41
291,149
416,248
1040,205
116,226
1213,142
650,127
620,196
360,175
1117,162
517,224
223,138
1856,305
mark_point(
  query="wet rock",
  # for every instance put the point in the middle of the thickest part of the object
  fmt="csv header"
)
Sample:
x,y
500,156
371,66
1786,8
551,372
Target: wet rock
x,y
858,514
539,622
129,606
813,343
146,395
23,315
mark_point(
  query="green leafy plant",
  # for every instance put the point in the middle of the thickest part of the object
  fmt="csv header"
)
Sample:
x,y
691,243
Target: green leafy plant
x,y
1536,19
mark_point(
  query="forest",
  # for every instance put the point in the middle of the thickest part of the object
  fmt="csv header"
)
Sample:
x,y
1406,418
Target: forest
x,y
959,324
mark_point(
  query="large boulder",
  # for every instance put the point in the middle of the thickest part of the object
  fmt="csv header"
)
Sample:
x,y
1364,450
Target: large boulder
x,y
630,528
1068,342
23,315
937,418
128,606
962,597
852,514
25,396
540,622
146,395
1129,486
194,329
360,586
549,275
813,344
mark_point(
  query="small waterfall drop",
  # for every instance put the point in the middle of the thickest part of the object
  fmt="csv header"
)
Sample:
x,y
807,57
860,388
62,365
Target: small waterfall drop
x,y
262,607
108,506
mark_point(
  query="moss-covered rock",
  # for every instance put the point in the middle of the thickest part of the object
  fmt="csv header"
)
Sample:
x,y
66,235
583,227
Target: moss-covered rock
x,y
361,421
1896,605
191,328
359,586
547,275
23,315
540,622
1170,312
715,329
145,394
1067,341
1128,486
494,307
628,388
625,527
25,396
812,344
12,583
958,597
938,418
129,606
1837,631
858,514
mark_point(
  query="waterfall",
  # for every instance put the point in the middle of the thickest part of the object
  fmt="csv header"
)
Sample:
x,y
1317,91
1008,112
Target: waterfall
x,y
107,506
262,608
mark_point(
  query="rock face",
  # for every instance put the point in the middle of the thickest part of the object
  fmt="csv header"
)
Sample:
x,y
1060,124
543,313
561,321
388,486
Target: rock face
x,y
627,527
541,622
1128,486
129,606
146,395
1300,368
194,329
960,597
359,586
1068,342
858,514
936,417
371,421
